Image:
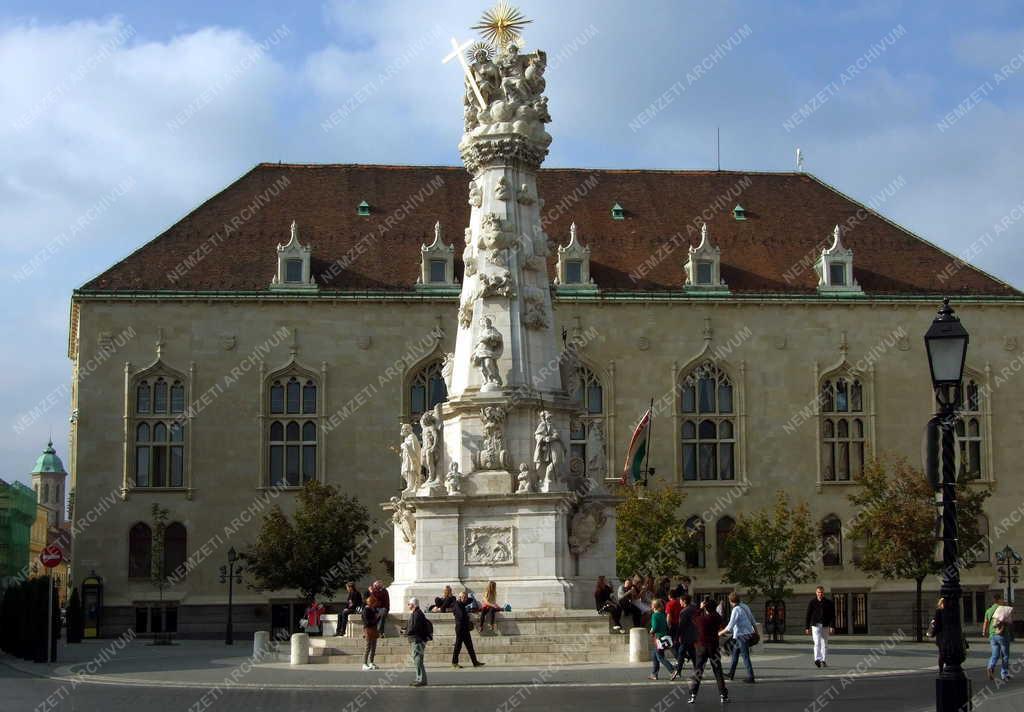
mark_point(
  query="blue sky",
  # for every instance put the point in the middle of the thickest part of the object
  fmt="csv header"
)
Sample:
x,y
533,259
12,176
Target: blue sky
x,y
94,162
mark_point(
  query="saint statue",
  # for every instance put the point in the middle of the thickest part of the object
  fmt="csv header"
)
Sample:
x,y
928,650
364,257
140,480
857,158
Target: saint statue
x,y
549,455
431,451
453,480
411,459
488,350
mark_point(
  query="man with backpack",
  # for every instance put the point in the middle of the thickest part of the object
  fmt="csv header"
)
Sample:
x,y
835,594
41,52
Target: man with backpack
x,y
421,632
998,627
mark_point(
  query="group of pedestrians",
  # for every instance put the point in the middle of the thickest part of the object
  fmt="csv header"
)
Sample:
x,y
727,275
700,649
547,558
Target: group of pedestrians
x,y
420,630
372,608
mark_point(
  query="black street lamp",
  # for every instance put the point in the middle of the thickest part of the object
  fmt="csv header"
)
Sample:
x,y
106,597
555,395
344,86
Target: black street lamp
x,y
230,575
1008,566
946,343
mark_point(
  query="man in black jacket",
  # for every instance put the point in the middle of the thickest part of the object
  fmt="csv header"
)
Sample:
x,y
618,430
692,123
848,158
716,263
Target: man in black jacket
x,y
686,632
463,626
821,621
419,633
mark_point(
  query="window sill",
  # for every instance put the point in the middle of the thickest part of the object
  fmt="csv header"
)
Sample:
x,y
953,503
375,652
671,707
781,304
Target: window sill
x,y
714,483
839,483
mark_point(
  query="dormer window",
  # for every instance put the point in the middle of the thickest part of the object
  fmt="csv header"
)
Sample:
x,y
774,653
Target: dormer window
x,y
574,272
363,208
574,264
835,268
293,271
837,274
703,270
739,212
618,213
438,263
293,264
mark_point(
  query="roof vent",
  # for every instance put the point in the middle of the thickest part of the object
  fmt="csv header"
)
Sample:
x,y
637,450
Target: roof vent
x,y
739,212
618,213
363,208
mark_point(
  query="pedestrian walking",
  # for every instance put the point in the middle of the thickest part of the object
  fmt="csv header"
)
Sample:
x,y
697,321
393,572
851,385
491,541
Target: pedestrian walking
x,y
935,630
820,623
370,632
673,609
686,632
708,623
998,627
743,628
463,631
661,639
420,632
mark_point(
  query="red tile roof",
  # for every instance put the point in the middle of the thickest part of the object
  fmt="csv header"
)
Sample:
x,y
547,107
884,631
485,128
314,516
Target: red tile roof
x,y
790,217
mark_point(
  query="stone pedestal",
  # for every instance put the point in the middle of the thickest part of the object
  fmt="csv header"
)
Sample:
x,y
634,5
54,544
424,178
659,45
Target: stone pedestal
x,y
300,649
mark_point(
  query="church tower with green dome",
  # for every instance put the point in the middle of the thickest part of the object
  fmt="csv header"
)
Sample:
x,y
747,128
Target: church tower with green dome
x,y
48,480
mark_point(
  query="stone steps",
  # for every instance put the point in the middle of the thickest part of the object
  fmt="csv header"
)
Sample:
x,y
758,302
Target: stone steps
x,y
442,657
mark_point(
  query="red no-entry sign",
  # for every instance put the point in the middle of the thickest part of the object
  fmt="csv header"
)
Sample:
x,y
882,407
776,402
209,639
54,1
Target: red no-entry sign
x,y
51,556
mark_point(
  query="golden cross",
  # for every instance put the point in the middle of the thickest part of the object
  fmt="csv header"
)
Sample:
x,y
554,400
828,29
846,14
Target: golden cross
x,y
456,52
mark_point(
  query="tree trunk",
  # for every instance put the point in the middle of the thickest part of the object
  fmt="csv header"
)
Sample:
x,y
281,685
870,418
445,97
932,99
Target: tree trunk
x,y
917,608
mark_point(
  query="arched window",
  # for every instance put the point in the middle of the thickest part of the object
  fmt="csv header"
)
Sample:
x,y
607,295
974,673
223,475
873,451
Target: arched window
x,y
695,558
832,541
159,432
969,431
46,492
426,389
586,428
842,429
708,425
140,551
293,442
723,530
175,549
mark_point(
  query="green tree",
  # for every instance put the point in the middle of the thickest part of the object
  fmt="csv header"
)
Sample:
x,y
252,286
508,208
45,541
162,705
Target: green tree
x,y
897,524
770,550
325,544
651,537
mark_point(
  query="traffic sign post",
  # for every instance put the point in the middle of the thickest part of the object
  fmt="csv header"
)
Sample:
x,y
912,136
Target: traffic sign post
x,y
50,557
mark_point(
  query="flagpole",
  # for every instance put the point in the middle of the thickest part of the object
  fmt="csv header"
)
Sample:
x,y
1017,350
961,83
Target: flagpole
x,y
650,441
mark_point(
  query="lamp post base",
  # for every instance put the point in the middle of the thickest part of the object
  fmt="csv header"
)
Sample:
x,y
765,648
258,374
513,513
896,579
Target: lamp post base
x,y
952,693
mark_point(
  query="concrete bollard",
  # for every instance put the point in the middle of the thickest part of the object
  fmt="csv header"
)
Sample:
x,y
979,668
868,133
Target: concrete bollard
x,y
300,649
639,645
260,644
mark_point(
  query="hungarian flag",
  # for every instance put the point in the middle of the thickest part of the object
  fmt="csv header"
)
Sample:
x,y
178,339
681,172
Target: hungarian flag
x,y
633,470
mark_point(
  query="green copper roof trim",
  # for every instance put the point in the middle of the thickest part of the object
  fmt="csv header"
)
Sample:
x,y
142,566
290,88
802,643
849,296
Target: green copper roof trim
x,y
610,296
49,462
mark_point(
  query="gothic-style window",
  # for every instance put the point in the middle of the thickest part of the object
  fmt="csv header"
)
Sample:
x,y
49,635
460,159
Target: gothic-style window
x,y
832,541
586,428
140,551
159,432
695,558
723,530
842,429
573,271
708,425
175,549
438,271
969,431
426,389
293,402
705,272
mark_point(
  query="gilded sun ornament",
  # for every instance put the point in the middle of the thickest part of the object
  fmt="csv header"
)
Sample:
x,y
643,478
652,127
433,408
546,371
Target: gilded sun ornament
x,y
502,24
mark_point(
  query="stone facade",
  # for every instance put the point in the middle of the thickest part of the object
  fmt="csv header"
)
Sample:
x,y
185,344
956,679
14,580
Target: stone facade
x,y
775,351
